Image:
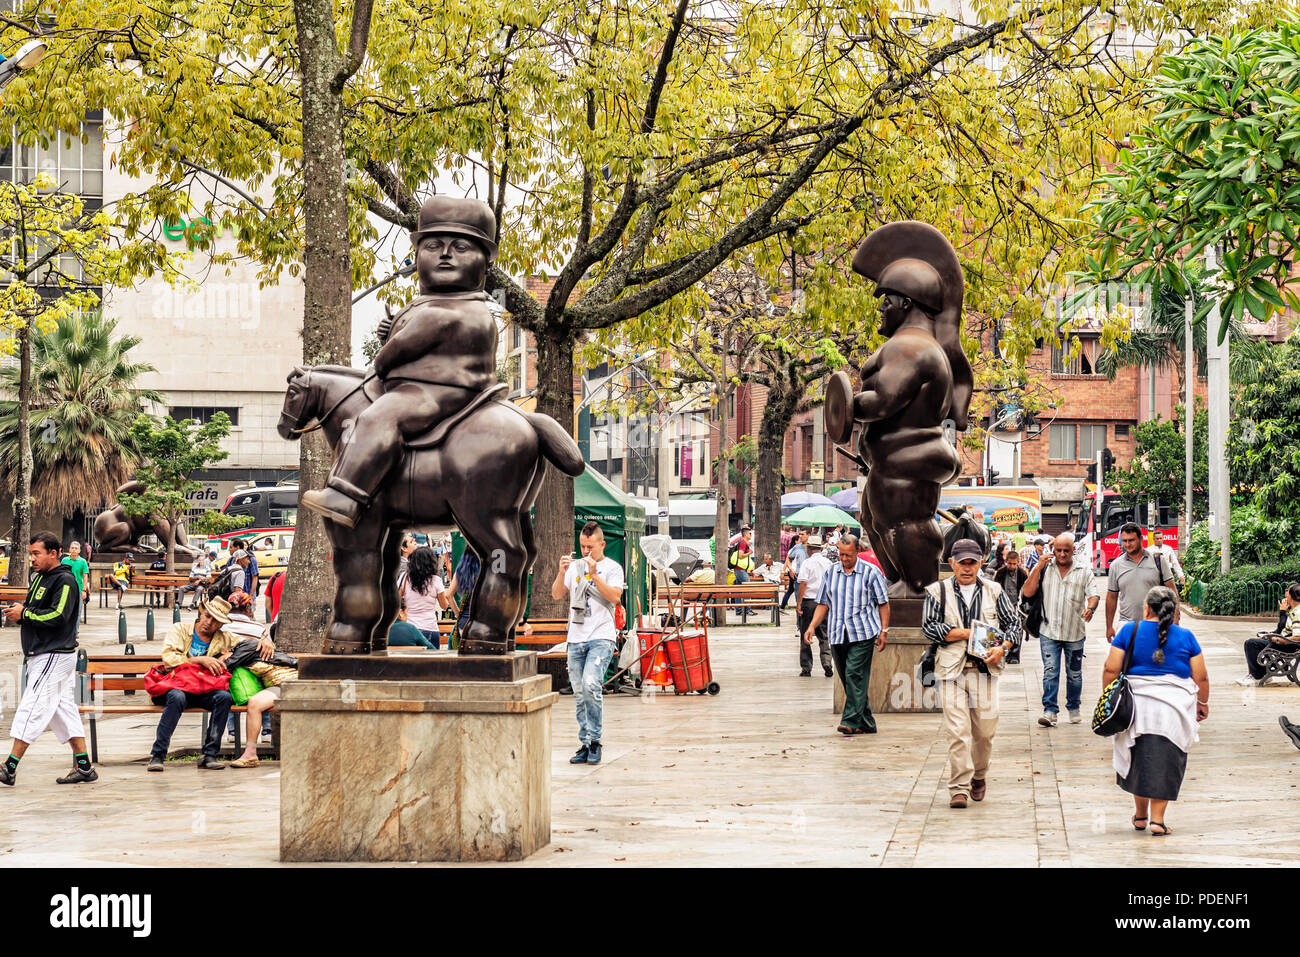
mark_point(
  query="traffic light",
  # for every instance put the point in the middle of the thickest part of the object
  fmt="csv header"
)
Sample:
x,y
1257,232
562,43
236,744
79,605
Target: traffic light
x,y
1092,473
1107,462
993,477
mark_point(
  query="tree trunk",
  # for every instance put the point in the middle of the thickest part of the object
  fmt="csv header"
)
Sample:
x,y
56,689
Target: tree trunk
x,y
327,309
22,530
169,546
783,398
722,478
553,513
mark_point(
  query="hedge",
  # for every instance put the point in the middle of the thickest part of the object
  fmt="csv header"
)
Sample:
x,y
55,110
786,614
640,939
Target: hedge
x,y
1248,590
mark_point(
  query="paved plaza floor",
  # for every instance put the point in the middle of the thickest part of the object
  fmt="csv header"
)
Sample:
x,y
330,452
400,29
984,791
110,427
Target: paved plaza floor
x,y
754,776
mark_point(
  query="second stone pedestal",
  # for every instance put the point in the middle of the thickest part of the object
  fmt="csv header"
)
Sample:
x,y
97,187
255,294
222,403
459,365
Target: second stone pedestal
x,y
394,770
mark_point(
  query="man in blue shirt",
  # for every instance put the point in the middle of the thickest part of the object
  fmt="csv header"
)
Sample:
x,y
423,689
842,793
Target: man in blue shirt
x,y
854,597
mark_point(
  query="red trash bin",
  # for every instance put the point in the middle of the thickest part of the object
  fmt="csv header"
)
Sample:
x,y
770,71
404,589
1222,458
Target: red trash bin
x,y
688,658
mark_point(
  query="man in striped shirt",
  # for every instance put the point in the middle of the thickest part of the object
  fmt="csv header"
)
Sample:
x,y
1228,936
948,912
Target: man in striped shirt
x,y
854,599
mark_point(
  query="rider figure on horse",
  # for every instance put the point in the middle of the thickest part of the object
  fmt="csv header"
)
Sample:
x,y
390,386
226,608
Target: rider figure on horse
x,y
437,354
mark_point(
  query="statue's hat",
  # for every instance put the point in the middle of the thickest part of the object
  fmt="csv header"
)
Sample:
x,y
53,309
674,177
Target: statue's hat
x,y
472,218
915,260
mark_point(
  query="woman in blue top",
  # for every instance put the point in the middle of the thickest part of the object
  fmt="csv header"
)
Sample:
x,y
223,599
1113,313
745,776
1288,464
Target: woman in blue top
x,y
1171,693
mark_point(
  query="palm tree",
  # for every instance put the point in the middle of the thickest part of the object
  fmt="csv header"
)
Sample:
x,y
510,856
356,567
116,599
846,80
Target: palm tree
x,y
84,399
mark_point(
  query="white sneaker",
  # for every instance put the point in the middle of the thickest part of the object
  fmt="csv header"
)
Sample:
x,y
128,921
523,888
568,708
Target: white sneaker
x,y
1249,682
1075,718
1048,720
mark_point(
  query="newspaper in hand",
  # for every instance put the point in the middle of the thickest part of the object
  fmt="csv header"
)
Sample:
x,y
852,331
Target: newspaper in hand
x,y
983,639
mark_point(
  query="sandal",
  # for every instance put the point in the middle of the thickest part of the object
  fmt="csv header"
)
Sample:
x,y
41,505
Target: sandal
x,y
1163,830
245,763
1135,820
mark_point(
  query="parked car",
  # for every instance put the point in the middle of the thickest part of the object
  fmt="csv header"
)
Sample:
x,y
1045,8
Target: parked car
x,y
270,545
271,506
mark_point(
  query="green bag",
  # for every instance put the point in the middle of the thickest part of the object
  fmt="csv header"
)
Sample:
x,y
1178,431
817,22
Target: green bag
x,y
243,685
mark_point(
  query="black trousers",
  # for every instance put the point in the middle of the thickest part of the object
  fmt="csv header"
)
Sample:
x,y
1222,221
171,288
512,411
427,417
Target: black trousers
x,y
1253,647
806,609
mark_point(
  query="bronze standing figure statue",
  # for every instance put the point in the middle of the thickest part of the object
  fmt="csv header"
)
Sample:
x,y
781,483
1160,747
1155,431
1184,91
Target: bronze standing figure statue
x,y
424,439
912,385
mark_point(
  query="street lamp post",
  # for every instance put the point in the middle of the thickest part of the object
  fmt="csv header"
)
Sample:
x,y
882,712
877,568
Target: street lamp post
x,y
28,55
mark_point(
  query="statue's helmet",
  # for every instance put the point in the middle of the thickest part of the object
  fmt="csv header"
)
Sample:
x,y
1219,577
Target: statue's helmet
x,y
917,280
472,218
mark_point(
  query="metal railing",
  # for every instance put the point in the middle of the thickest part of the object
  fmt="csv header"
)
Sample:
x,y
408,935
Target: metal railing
x,y
1226,596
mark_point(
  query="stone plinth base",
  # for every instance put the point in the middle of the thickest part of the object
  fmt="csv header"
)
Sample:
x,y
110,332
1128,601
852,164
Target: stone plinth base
x,y
415,770
893,686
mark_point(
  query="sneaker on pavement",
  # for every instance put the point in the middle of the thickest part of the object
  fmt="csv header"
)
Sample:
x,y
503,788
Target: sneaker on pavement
x,y
6,777
155,763
207,763
1249,682
78,776
958,800
1048,720
580,756
1292,731
593,753
829,672
1075,717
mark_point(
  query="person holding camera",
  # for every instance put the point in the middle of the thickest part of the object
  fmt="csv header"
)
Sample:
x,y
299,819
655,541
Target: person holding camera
x,y
594,585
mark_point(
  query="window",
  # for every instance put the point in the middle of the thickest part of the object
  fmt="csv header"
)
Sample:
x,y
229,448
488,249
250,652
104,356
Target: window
x,y
1061,442
1092,439
1121,431
76,167
1080,364
203,413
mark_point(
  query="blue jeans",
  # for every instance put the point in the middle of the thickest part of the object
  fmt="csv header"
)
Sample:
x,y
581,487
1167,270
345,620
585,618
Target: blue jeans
x,y
588,662
1052,651
176,702
742,578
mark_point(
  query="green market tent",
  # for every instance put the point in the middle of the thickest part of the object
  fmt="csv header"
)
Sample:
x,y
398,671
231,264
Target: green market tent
x,y
821,516
623,522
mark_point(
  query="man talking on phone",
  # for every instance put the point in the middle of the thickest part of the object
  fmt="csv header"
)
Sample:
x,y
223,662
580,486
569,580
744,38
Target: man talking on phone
x,y
1068,604
594,585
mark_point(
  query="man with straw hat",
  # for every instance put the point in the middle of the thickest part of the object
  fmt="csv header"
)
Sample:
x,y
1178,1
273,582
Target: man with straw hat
x,y
205,643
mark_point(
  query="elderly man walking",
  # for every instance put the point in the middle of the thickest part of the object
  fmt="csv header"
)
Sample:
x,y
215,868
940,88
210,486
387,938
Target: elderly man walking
x,y
975,624
854,599
811,572
1068,604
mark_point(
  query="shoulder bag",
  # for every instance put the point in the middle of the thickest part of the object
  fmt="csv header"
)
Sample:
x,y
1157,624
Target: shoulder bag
x,y
1115,708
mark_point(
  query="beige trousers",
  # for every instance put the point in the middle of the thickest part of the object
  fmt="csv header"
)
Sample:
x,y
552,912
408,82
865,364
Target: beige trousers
x,y
970,716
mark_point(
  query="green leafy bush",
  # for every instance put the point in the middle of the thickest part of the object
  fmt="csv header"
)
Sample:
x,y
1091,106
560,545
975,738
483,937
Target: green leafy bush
x,y
1257,539
1249,590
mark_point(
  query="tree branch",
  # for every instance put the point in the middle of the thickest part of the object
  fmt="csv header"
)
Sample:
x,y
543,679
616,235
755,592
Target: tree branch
x,y
360,36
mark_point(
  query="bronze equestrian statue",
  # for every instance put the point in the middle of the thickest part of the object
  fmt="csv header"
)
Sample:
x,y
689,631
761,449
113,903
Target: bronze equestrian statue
x,y
911,386
424,439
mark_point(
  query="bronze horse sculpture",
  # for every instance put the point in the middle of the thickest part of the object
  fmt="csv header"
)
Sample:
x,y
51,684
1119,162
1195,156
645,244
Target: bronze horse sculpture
x,y
481,470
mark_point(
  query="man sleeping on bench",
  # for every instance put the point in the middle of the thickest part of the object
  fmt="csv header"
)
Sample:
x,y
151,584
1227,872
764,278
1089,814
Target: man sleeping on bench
x,y
205,643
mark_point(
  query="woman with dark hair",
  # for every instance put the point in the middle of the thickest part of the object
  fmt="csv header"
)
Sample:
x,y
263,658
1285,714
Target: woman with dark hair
x,y
422,591
1171,693
1285,638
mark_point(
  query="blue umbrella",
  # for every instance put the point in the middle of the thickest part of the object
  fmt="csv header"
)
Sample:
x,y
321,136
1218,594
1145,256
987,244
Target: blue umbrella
x,y
846,499
793,501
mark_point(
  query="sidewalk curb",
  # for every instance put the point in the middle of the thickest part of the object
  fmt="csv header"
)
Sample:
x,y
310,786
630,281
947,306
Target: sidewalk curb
x,y
1193,613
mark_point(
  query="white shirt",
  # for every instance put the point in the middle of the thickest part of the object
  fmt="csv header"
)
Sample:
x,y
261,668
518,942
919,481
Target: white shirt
x,y
598,623
812,572
769,573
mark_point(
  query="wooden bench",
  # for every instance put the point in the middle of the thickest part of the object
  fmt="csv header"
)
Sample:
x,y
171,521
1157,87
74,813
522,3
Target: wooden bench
x,y
10,593
126,673
715,600
155,590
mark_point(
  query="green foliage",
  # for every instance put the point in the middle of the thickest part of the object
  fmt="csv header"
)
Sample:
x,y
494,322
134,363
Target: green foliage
x,y
172,451
1219,165
1158,465
1256,539
83,401
1249,590
1264,443
741,460
214,522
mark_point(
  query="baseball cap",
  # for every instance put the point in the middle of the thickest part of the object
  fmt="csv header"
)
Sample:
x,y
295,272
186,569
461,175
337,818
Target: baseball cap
x,y
239,554
966,550
129,557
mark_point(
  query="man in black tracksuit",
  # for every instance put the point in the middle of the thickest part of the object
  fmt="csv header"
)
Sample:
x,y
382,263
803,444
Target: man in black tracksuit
x,y
48,618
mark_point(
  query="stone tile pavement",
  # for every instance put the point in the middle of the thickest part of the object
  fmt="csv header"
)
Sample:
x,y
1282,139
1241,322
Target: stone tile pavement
x,y
756,775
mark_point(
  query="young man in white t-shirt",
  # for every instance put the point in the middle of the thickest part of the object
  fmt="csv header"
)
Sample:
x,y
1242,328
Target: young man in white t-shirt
x,y
594,585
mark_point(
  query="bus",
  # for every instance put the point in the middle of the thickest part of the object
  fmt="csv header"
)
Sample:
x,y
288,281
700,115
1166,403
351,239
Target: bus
x,y
690,522
271,506
1096,538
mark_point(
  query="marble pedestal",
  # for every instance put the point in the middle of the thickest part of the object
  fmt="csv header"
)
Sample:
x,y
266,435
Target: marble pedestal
x,y
893,687
395,770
